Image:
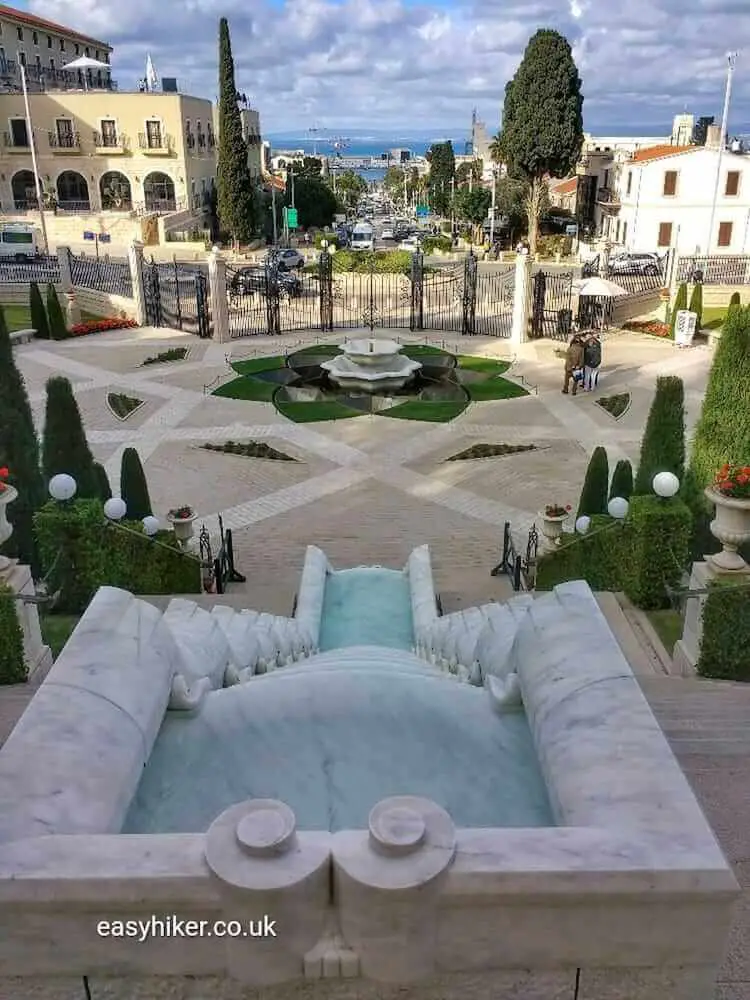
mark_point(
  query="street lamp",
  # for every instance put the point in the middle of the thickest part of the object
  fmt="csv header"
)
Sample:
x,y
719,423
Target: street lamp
x,y
150,525
583,524
62,487
618,508
115,509
665,485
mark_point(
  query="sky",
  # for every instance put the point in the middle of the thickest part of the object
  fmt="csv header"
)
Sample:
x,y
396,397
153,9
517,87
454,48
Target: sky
x,y
401,65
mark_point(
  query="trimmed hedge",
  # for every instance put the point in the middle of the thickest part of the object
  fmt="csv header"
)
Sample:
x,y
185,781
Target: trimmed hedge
x,y
58,328
680,303
133,486
696,304
622,480
39,321
12,663
81,551
663,444
640,556
595,485
725,644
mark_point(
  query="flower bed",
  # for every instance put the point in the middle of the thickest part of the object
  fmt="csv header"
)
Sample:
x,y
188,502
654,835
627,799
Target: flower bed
x,y
615,405
653,327
101,326
121,405
490,451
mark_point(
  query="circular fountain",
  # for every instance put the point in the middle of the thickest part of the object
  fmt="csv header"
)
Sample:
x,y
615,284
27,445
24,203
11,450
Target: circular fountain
x,y
371,365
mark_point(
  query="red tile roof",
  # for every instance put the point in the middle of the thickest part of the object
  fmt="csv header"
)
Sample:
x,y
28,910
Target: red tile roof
x,y
567,186
22,17
657,152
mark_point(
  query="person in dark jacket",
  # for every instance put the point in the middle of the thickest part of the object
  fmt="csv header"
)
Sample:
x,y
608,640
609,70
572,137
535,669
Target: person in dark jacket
x,y
592,359
573,363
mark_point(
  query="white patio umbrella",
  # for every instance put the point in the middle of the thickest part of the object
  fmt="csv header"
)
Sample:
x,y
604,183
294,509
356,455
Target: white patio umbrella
x,y
84,63
598,288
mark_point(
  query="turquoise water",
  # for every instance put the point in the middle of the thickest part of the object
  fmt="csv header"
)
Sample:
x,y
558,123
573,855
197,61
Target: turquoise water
x,y
368,606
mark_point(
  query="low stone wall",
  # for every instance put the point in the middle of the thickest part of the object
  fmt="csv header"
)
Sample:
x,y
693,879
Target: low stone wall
x,y
719,295
88,299
630,306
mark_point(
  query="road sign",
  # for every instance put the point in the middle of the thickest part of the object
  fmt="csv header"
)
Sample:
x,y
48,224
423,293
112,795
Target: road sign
x,y
89,236
291,218
423,211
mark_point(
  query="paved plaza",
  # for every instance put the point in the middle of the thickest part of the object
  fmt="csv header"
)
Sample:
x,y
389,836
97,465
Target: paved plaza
x,y
368,490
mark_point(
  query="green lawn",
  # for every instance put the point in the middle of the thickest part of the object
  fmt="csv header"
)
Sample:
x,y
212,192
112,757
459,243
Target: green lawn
x,y
668,626
18,317
418,350
251,389
487,366
494,388
418,409
56,630
713,317
308,413
252,365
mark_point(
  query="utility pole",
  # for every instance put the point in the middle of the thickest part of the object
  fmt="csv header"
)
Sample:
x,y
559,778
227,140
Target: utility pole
x,y
492,209
291,174
32,144
731,60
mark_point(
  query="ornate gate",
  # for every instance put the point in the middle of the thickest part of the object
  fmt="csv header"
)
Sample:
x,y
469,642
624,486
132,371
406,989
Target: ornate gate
x,y
551,315
176,297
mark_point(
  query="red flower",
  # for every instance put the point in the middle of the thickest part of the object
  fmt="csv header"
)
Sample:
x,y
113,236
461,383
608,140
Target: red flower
x,y
4,472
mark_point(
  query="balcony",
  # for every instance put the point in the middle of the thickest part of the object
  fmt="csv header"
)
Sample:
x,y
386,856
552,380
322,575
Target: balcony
x,y
41,79
608,197
155,145
190,140
64,143
109,145
8,68
14,145
211,140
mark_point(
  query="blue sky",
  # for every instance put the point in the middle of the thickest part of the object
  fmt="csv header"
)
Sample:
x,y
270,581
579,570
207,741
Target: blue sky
x,y
396,65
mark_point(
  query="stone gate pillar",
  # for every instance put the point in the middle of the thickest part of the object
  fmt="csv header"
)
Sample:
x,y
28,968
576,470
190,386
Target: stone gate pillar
x,y
521,300
217,282
135,260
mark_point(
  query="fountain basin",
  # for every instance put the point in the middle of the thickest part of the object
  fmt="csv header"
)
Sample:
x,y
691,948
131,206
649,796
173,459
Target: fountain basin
x,y
371,365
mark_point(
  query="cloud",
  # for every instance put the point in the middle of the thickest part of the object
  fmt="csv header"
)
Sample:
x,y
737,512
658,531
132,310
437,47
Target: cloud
x,y
405,64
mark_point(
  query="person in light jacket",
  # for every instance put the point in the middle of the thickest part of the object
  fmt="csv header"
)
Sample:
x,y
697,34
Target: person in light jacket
x,y
573,363
592,359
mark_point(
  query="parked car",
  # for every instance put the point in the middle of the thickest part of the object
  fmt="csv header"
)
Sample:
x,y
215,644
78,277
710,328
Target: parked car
x,y
635,263
255,281
387,234
288,259
411,243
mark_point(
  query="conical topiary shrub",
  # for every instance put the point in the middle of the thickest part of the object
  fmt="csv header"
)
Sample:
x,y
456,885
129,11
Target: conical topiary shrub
x,y
133,486
696,304
57,326
680,302
39,320
105,490
663,444
622,480
595,485
64,447
734,299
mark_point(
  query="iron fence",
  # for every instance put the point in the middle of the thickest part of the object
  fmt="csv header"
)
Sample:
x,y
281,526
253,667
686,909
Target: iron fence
x,y
177,296
551,315
218,570
520,569
635,273
41,269
714,270
109,276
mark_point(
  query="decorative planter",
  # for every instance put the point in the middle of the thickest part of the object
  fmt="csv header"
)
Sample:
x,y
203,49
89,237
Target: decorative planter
x,y
183,528
9,494
552,528
731,526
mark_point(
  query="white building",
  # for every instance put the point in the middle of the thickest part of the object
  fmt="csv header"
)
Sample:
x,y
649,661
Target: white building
x,y
662,198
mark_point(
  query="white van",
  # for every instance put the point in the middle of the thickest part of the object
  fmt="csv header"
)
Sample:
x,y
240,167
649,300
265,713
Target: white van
x,y
18,242
363,237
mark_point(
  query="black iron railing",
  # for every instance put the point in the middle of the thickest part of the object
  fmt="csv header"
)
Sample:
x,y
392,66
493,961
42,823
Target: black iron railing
x,y
219,570
520,569
64,140
106,140
41,269
158,142
108,276
14,142
717,269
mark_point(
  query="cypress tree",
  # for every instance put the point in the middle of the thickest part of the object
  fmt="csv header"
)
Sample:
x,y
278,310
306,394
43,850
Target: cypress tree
x,y
105,490
663,444
39,320
133,486
734,299
680,302
65,448
236,202
595,485
622,480
57,326
696,304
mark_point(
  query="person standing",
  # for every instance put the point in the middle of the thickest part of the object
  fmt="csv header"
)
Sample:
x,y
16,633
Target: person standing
x,y
592,359
573,363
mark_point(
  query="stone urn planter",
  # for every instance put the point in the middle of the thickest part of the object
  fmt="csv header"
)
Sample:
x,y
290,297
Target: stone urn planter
x,y
552,525
730,526
182,520
7,496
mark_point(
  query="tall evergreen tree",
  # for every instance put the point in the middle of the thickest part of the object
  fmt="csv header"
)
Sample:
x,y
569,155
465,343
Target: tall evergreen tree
x,y
663,444
64,447
680,303
696,304
595,485
622,480
442,171
39,320
58,328
105,490
542,127
133,486
236,198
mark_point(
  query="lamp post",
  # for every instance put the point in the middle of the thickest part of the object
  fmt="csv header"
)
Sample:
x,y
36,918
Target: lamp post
x,y
494,202
37,184
731,60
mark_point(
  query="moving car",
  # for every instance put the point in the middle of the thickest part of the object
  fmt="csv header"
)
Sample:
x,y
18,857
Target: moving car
x,y
387,234
411,243
18,242
288,259
256,281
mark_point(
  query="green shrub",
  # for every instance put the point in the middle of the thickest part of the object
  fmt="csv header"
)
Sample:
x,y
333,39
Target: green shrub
x,y
81,551
595,485
548,246
735,299
58,328
725,644
382,261
133,486
622,480
64,447
12,663
432,243
105,490
597,557
663,444
696,304
39,320
330,238
680,302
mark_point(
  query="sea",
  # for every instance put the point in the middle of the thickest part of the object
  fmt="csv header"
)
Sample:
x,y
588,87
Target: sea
x,y
325,142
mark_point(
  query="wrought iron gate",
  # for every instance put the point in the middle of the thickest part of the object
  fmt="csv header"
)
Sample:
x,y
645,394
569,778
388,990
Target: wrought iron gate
x,y
551,315
176,297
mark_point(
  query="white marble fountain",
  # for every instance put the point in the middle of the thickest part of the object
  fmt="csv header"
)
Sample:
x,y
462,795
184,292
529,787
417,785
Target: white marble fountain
x,y
371,365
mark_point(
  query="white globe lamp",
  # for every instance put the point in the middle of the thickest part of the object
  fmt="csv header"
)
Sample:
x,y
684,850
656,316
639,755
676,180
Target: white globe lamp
x,y
583,524
665,485
150,525
115,509
62,487
618,508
